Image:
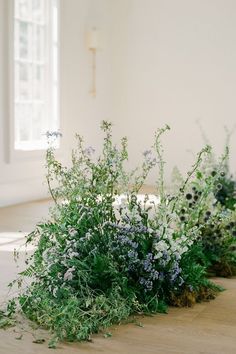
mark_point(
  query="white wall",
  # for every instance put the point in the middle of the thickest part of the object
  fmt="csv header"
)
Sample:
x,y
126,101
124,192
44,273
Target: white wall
x,y
174,61
161,61
83,113
24,179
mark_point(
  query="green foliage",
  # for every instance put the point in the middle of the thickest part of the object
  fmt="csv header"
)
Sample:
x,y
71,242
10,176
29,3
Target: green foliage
x,y
226,194
7,316
104,255
213,216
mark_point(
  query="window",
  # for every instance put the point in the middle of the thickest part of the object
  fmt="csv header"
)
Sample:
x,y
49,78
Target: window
x,y
35,72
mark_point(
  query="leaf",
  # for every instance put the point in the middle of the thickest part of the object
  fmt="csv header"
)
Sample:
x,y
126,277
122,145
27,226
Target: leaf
x,y
107,335
28,272
199,175
52,344
39,341
6,322
139,324
19,337
88,302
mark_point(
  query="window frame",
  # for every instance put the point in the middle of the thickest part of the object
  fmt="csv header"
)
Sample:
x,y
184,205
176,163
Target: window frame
x,y
12,154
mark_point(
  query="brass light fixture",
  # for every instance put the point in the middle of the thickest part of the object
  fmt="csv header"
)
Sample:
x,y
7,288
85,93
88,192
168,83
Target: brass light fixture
x,y
92,44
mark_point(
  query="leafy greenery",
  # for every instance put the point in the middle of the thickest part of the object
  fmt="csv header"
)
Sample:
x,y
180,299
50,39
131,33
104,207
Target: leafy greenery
x,y
104,254
214,217
226,194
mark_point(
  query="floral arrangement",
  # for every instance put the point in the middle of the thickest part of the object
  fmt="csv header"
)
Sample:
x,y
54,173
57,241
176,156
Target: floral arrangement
x,y
212,210
98,261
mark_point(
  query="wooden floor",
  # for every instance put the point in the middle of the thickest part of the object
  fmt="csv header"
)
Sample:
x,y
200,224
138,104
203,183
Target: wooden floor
x,y
23,217
208,328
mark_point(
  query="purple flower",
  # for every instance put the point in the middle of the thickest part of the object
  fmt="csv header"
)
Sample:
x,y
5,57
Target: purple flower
x,y
132,254
147,153
89,151
147,263
55,134
175,272
155,274
191,288
147,284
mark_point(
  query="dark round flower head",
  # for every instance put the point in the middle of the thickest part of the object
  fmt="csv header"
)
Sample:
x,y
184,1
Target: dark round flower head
x,y
208,213
231,224
228,227
199,192
222,174
182,211
188,196
182,218
234,233
194,188
213,173
219,186
190,205
195,197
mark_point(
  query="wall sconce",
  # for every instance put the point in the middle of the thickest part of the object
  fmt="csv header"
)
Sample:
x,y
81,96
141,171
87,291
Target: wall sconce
x,y
93,44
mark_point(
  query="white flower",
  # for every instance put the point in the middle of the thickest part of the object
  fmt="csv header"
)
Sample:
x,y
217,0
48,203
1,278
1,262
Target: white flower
x,y
54,292
184,249
72,232
158,255
88,235
177,256
161,246
68,274
73,254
